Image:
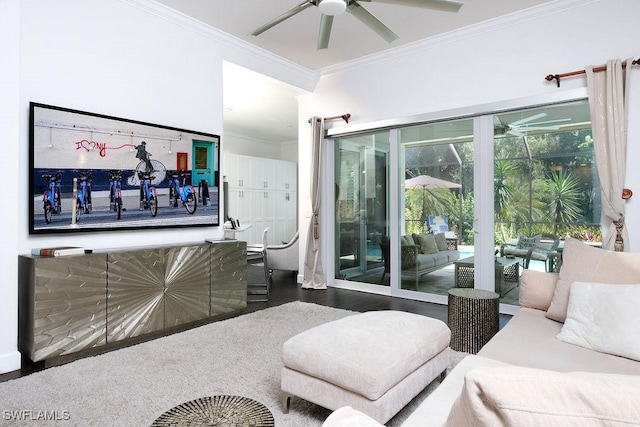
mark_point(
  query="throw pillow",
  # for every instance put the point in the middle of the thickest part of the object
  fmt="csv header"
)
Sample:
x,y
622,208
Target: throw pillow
x,y
584,263
603,318
537,288
441,242
408,238
518,396
427,243
527,242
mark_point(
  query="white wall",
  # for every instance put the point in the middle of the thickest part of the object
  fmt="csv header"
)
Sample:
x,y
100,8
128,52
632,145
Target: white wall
x,y
495,65
108,57
123,58
12,213
247,146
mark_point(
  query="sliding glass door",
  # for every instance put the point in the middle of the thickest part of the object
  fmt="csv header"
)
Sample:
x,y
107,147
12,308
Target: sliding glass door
x,y
361,205
465,196
435,204
546,187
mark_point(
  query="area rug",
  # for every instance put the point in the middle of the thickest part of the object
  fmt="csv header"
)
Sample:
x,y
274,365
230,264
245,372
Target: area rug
x,y
136,385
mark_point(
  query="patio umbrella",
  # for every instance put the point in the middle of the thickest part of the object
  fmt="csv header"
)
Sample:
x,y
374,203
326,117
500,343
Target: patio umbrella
x,y
427,182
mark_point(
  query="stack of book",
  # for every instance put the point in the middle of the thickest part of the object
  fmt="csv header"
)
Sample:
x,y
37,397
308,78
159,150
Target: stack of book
x,y
58,251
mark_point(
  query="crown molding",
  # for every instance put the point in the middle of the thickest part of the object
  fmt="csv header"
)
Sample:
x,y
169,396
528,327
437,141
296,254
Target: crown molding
x,y
308,77
490,25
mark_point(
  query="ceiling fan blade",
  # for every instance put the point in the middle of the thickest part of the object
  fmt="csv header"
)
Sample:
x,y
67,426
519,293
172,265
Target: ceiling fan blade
x,y
548,121
527,119
299,8
371,21
326,22
443,5
529,128
516,133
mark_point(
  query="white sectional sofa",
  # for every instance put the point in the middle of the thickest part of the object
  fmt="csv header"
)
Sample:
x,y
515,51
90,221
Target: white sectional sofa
x,y
569,356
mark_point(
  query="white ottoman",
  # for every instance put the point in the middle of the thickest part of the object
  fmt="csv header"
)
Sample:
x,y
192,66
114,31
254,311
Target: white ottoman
x,y
375,362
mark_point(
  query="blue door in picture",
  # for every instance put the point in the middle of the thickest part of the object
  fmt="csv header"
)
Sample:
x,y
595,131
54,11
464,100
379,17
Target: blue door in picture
x,y
203,162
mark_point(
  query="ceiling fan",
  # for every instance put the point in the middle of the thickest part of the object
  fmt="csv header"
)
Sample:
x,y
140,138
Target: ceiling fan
x,y
330,8
521,127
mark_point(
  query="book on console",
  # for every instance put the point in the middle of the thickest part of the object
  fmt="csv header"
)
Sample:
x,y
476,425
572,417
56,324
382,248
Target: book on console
x,y
58,251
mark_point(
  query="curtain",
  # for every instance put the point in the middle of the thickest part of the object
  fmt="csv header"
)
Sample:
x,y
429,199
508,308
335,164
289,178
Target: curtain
x,y
608,103
313,273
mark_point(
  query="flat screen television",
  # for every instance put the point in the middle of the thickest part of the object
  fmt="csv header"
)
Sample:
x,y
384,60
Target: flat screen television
x,y
92,172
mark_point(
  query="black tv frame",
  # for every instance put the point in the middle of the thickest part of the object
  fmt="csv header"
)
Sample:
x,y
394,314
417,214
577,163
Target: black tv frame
x,y
72,141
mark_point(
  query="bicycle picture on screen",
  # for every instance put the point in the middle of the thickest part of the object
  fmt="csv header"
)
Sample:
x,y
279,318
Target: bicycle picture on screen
x,y
148,195
186,194
115,192
83,199
51,197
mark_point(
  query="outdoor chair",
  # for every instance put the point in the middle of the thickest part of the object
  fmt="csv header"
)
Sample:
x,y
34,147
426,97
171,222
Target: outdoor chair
x,y
440,224
537,247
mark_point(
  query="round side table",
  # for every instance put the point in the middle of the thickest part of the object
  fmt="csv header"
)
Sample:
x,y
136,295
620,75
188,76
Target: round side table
x,y
473,317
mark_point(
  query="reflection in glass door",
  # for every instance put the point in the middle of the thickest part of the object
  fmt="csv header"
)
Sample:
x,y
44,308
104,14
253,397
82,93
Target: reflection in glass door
x,y
545,188
361,202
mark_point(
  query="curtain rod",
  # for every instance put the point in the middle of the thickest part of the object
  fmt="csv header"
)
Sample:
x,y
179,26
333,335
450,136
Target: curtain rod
x,y
344,117
557,77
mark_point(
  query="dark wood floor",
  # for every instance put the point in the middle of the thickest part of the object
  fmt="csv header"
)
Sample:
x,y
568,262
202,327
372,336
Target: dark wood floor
x,y
284,289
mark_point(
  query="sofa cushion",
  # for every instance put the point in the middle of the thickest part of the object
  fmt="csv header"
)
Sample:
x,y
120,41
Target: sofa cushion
x,y
529,339
441,241
517,396
427,243
426,262
527,243
583,263
604,318
537,288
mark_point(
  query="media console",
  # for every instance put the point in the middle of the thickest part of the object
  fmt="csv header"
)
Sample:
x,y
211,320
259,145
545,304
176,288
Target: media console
x,y
78,305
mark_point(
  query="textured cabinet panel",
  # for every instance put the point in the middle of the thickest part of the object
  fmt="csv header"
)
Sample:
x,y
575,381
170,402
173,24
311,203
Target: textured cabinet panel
x,y
229,278
187,284
135,299
63,305
73,303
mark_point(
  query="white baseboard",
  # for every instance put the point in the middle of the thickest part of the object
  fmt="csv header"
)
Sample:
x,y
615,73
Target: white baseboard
x,y
10,362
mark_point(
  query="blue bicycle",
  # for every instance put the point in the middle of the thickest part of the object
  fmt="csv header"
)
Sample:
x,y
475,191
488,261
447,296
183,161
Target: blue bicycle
x,y
186,194
148,196
83,199
115,192
51,197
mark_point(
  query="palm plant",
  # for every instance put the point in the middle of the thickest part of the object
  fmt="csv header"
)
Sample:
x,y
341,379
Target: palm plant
x,y
502,193
565,199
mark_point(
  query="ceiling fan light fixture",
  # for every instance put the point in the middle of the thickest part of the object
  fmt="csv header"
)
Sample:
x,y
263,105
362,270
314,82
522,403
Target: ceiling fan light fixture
x,y
332,7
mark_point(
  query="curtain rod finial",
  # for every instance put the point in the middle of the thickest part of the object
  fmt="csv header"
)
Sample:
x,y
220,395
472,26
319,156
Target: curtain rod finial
x,y
555,77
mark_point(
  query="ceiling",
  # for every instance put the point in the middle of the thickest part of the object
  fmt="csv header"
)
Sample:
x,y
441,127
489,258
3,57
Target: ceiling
x,y
273,118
